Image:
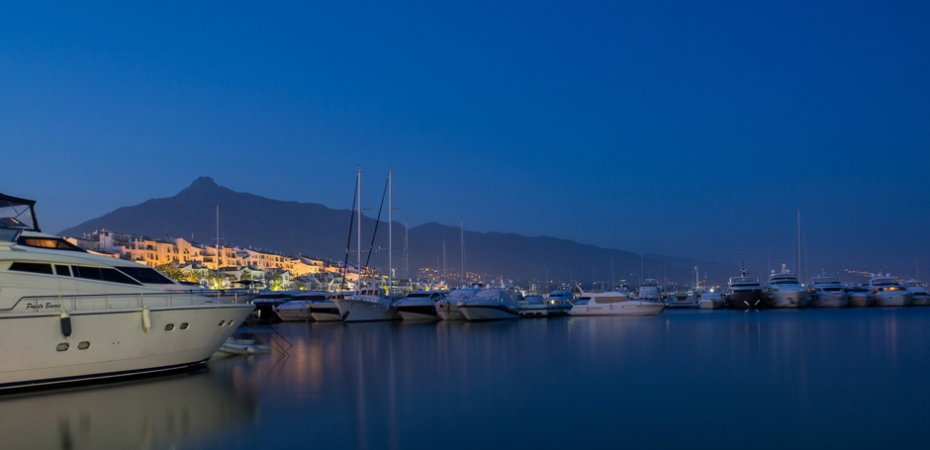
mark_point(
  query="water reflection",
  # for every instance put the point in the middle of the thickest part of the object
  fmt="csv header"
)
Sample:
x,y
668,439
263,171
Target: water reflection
x,y
693,379
152,413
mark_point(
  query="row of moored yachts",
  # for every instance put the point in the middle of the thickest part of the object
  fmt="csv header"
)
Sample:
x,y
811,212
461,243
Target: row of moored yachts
x,y
472,304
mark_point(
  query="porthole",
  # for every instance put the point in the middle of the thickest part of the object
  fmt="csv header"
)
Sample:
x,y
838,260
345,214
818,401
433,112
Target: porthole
x,y
222,322
63,347
84,345
229,323
185,326
169,327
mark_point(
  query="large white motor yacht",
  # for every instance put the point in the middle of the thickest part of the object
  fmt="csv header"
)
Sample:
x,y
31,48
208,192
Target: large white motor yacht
x,y
783,290
918,292
326,310
886,291
419,306
613,303
650,291
68,315
448,308
827,292
367,305
490,304
858,296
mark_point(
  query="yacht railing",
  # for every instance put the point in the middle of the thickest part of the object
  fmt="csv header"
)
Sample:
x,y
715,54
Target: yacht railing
x,y
98,302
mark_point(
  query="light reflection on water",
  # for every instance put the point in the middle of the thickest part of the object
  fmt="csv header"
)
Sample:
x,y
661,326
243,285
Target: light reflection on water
x,y
697,379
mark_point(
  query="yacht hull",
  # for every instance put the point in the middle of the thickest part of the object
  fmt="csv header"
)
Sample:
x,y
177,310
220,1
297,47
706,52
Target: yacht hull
x,y
325,312
710,304
486,312
920,300
629,308
111,343
352,310
294,314
447,310
831,300
895,298
745,300
787,299
418,313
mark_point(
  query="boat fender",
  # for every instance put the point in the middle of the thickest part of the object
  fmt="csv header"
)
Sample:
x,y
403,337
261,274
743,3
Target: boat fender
x,y
146,319
65,321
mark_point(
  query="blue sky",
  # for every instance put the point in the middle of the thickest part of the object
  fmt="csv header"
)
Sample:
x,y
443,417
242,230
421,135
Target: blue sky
x,y
686,128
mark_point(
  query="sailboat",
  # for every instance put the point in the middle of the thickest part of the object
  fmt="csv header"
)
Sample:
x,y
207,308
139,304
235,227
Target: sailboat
x,y
368,304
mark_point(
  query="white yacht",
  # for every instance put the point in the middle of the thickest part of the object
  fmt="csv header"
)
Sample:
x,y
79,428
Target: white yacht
x,y
267,301
708,299
886,291
557,303
613,303
918,292
783,290
448,308
419,306
68,315
298,309
827,292
490,304
367,305
680,300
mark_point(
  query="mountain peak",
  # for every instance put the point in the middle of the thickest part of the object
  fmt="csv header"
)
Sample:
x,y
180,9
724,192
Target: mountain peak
x,y
203,182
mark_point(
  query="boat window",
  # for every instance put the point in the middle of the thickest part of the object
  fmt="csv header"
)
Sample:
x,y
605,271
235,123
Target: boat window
x,y
146,275
115,276
48,242
32,267
611,299
64,271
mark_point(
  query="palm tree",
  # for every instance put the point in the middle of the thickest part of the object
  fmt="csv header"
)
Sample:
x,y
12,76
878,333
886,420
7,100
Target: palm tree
x,y
275,280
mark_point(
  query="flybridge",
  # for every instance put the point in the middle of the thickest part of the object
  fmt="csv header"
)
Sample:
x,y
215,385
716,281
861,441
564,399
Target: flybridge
x,y
18,213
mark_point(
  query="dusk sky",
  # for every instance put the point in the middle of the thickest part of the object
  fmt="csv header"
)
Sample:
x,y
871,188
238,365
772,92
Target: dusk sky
x,y
687,128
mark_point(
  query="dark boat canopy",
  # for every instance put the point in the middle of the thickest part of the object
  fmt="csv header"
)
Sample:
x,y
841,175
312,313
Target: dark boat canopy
x,y
18,213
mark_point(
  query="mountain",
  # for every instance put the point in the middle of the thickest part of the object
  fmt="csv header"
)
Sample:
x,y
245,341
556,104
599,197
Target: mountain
x,y
315,230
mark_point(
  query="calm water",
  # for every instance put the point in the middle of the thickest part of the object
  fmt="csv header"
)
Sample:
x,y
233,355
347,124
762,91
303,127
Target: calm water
x,y
698,379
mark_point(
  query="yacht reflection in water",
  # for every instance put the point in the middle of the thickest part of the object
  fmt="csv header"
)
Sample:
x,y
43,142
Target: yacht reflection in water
x,y
149,413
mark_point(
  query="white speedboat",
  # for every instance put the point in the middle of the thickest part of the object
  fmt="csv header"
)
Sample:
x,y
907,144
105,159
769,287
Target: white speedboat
x,y
680,300
827,292
708,299
448,308
783,290
298,309
266,302
918,292
68,315
490,304
367,305
613,303
419,306
886,291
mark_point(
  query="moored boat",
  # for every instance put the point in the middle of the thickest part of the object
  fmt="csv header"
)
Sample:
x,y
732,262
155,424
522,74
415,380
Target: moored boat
x,y
490,304
298,308
744,292
827,292
783,290
886,291
419,306
448,308
68,315
367,305
613,303
708,299
918,292
857,296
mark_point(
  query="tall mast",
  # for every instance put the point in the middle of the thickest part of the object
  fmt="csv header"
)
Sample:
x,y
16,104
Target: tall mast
x,y
217,242
406,243
800,278
358,251
443,260
390,232
462,230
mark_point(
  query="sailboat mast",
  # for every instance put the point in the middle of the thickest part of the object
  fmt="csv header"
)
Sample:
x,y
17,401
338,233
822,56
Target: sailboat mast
x,y
444,260
217,243
390,232
800,277
358,250
462,230
406,243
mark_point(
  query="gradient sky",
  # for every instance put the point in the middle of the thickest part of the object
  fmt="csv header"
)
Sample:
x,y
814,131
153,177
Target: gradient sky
x,y
688,128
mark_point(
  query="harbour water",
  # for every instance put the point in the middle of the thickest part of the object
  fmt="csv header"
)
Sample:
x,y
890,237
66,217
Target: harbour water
x,y
850,378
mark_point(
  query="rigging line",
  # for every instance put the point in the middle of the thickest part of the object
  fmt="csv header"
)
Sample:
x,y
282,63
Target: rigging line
x,y
377,222
345,264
